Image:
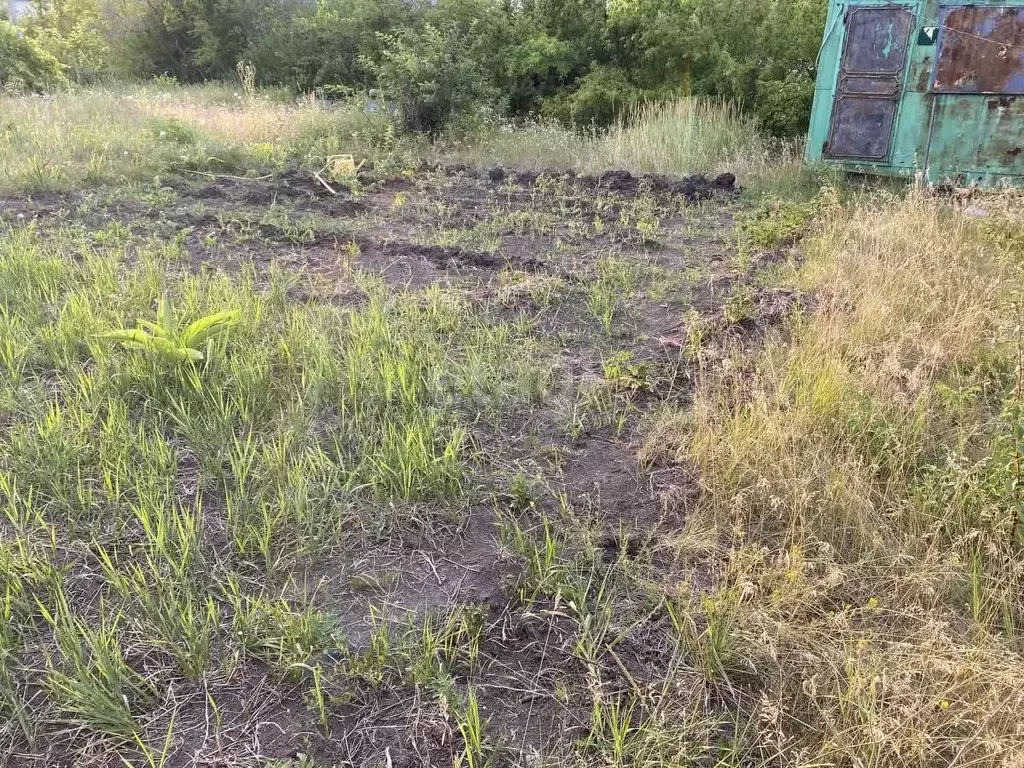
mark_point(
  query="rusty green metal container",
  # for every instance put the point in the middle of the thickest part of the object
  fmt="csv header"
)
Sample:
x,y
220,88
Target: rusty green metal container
x,y
922,87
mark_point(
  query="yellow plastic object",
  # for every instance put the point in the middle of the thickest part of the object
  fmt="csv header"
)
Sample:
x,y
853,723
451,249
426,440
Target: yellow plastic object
x,y
344,165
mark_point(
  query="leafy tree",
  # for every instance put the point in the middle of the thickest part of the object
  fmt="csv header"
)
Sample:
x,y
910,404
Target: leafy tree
x,y
538,66
558,43
333,43
72,32
24,65
450,69
784,106
447,62
599,97
431,77
762,55
224,30
191,40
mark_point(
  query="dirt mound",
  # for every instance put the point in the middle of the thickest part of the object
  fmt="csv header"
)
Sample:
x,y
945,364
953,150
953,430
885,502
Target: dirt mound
x,y
448,257
292,184
692,188
295,184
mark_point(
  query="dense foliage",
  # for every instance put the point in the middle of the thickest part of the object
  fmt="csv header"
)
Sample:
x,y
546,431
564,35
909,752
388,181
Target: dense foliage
x,y
24,66
579,61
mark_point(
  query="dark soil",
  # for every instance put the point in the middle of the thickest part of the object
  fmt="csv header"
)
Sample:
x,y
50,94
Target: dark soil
x,y
692,188
479,230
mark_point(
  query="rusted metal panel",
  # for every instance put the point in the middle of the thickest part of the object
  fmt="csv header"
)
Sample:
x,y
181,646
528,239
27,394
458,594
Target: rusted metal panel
x,y
974,135
876,40
981,50
870,80
885,86
862,127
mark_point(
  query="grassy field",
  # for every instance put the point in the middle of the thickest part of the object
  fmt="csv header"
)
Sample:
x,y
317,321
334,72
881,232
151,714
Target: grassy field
x,y
124,133
449,461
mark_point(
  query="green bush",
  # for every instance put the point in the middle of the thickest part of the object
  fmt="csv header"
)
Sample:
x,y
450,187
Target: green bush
x,y
432,78
454,63
762,54
72,32
330,44
24,66
776,224
784,106
602,95
189,40
172,130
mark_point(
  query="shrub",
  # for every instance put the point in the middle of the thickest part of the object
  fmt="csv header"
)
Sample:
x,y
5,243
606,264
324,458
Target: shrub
x,y
784,106
330,44
758,54
434,80
601,96
775,224
24,66
71,31
189,40
173,130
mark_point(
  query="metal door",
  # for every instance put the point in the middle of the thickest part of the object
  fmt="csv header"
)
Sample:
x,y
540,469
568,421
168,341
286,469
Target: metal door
x,y
870,82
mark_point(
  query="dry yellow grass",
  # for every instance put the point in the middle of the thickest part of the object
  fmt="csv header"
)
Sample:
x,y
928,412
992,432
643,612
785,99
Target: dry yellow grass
x,y
856,483
133,132
678,138
694,136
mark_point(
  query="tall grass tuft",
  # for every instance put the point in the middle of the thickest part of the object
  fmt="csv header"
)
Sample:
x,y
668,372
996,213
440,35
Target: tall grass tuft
x,y
125,133
683,137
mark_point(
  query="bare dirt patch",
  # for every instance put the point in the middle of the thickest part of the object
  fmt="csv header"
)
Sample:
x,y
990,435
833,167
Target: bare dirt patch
x,y
609,275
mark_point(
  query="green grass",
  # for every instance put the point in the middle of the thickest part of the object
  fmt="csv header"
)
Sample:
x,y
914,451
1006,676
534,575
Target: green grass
x,y
294,425
129,133
589,509
611,290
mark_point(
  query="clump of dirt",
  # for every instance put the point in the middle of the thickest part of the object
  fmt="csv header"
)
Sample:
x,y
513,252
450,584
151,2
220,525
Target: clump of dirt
x,y
17,210
762,260
692,188
444,257
776,304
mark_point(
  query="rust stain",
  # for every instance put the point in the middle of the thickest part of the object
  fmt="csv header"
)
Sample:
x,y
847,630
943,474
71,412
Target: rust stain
x,y
870,81
1003,102
925,76
982,51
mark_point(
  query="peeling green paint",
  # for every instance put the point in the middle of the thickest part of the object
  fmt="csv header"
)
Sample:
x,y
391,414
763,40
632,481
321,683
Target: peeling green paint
x,y
887,51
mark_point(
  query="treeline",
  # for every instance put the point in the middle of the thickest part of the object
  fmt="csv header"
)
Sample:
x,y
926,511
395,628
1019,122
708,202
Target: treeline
x,y
444,62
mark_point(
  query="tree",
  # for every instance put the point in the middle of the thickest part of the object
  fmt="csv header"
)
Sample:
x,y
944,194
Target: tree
x,y
72,32
191,40
762,55
333,43
24,65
